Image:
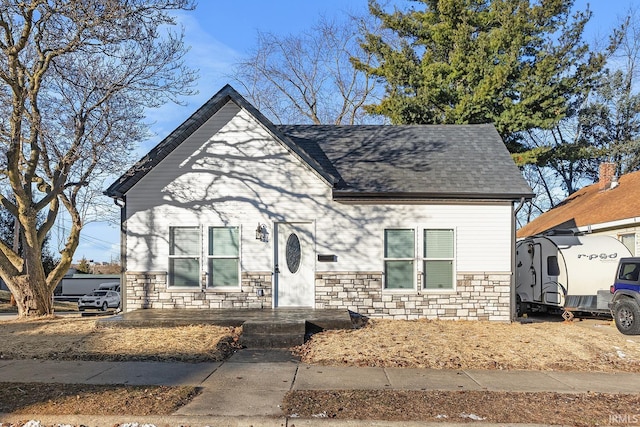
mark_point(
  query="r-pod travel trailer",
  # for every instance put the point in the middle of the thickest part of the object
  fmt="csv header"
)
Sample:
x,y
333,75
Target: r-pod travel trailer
x,y
566,272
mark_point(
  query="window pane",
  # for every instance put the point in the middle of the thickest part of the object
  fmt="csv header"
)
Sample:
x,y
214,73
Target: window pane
x,y
398,274
223,241
184,272
553,268
223,272
438,274
398,243
629,240
438,243
184,241
629,271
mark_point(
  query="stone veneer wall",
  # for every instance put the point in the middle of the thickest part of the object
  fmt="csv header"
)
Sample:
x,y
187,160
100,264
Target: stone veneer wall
x,y
478,296
149,290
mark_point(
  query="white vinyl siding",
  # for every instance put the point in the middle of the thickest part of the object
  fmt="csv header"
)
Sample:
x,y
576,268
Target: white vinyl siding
x,y
232,171
399,258
223,257
439,259
184,256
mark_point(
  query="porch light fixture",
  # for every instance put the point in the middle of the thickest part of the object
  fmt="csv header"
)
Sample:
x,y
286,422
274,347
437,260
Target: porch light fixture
x,y
262,233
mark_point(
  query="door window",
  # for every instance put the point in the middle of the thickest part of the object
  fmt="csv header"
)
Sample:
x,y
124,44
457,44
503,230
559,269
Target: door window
x,y
292,253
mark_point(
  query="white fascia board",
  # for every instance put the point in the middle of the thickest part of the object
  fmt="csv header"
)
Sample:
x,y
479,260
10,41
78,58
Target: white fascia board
x,y
620,223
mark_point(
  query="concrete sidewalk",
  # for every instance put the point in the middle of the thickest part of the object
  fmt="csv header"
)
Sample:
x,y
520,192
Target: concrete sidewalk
x,y
252,383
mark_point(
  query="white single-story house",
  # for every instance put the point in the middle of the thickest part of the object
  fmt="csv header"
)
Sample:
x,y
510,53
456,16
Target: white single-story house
x,y
233,211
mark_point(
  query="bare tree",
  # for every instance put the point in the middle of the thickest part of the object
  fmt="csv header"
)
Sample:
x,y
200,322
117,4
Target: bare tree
x,y
309,78
75,77
611,120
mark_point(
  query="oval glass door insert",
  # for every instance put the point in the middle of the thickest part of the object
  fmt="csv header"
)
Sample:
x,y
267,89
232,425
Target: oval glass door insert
x,y
293,253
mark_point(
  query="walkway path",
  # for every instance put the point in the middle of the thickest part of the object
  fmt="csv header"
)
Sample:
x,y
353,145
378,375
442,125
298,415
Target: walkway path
x,y
252,383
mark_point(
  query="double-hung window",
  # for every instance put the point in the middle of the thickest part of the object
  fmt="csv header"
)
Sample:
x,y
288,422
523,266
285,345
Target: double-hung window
x,y
223,257
184,256
439,259
399,258
629,240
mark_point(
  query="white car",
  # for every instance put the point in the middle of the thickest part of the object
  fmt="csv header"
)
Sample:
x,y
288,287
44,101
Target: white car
x,y
99,299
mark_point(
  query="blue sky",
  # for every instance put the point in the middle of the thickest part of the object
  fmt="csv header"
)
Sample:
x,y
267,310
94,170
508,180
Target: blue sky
x,y
220,32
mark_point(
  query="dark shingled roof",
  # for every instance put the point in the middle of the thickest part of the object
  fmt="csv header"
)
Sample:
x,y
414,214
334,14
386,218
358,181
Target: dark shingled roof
x,y
373,162
417,161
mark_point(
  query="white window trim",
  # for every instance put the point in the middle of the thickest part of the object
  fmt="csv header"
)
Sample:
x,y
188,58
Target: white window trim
x,y
635,241
170,285
418,261
412,289
208,257
423,258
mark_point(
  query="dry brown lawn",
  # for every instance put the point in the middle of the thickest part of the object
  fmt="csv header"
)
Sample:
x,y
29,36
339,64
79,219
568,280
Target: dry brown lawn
x,y
593,345
78,338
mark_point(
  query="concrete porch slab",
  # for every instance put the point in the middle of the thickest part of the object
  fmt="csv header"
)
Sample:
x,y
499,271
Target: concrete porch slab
x,y
324,318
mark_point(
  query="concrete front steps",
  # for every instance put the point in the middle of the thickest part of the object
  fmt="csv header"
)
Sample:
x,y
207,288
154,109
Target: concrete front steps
x,y
290,328
268,334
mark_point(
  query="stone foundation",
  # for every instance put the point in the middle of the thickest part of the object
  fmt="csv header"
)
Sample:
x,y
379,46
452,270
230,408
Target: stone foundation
x,y
478,296
149,290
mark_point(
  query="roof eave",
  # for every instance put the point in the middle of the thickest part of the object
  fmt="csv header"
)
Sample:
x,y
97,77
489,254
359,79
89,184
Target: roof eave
x,y
351,196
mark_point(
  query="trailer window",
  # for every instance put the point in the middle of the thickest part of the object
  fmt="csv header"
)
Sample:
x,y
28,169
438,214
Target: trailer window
x,y
553,269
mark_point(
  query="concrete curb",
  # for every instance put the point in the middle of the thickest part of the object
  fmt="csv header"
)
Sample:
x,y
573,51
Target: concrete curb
x,y
220,421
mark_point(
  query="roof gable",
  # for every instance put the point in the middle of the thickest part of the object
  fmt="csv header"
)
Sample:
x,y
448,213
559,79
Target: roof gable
x,y
195,121
590,206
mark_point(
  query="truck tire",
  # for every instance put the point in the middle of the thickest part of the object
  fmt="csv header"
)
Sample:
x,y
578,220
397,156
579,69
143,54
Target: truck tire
x,y
627,317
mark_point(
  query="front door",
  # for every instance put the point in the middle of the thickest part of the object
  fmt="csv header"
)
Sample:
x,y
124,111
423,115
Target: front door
x,y
294,275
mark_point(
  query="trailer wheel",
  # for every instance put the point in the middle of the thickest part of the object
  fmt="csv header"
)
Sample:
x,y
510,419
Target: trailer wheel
x,y
522,308
627,317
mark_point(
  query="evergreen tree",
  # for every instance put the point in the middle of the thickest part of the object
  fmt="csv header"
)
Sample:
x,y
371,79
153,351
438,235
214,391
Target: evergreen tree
x,y
83,266
518,64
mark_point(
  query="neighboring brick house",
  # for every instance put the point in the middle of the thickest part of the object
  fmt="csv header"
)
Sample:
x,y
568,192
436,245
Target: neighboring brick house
x,y
232,211
609,207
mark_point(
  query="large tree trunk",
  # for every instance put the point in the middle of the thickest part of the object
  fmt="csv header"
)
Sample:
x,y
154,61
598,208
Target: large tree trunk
x,y
28,283
33,296
32,289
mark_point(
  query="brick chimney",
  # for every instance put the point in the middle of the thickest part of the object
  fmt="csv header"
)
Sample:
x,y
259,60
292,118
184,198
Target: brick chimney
x,y
607,175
